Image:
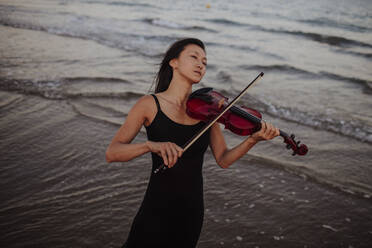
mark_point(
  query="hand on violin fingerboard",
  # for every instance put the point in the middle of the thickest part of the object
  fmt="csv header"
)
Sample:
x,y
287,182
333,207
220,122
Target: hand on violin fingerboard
x,y
267,132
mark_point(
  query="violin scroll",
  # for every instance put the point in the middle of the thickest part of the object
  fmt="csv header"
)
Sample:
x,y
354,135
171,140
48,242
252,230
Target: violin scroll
x,y
296,146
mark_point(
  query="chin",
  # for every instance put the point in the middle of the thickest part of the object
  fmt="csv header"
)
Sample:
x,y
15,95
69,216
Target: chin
x,y
195,81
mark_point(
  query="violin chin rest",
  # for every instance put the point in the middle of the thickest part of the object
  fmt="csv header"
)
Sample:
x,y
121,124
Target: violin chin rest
x,y
201,91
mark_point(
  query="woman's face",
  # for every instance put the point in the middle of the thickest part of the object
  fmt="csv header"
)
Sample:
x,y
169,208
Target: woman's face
x,y
191,63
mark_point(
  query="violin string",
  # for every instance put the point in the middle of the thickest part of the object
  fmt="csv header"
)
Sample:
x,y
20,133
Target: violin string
x,y
249,116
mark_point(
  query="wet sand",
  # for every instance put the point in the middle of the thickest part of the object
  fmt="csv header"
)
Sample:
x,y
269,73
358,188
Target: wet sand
x,y
58,191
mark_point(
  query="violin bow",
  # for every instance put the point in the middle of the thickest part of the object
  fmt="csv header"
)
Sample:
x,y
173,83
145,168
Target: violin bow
x,y
211,122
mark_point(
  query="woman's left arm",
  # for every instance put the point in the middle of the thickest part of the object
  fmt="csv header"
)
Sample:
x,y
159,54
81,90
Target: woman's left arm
x,y
224,156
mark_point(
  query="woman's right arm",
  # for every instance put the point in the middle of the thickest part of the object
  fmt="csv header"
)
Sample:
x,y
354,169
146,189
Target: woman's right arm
x,y
121,149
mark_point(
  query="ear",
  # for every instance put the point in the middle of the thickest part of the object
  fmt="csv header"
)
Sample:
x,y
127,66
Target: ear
x,y
174,63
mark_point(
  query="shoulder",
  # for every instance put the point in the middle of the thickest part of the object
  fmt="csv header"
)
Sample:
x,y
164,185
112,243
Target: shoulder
x,y
144,103
145,107
145,100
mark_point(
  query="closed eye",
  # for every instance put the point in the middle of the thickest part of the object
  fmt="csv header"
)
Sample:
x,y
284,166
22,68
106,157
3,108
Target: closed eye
x,y
195,57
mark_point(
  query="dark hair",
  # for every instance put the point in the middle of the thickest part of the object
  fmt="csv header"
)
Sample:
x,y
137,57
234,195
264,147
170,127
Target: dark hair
x,y
165,73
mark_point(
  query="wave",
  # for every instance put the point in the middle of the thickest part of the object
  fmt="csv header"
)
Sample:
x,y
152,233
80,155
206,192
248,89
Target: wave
x,y
351,128
244,48
278,68
133,41
239,47
321,38
174,25
95,79
336,24
66,88
224,76
98,112
327,39
357,54
322,74
336,77
307,173
226,22
355,129
117,3
7,99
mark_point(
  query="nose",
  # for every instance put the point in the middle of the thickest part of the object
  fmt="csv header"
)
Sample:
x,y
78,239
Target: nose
x,y
200,65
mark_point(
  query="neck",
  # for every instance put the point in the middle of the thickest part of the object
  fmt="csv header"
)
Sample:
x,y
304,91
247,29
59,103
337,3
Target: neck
x,y
178,91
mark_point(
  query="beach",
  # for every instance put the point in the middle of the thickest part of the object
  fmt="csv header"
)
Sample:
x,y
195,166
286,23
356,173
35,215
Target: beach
x,y
71,70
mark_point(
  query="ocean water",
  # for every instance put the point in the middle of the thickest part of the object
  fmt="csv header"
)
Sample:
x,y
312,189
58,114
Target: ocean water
x,y
70,65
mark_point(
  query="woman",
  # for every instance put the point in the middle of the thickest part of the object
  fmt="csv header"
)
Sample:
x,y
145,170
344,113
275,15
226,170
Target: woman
x,y
172,210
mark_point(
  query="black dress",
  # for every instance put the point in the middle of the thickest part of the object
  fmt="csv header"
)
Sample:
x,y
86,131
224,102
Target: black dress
x,y
171,214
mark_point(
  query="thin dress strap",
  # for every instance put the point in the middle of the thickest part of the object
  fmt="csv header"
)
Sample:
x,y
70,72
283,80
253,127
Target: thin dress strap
x,y
157,101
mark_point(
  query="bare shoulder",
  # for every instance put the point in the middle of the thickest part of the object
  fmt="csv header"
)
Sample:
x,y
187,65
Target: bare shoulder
x,y
145,100
146,107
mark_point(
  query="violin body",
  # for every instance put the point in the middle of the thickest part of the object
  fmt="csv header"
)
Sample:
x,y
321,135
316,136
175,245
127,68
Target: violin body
x,y
206,107
205,104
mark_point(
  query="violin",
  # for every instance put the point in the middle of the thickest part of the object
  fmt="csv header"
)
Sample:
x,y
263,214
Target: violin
x,y
205,104
210,106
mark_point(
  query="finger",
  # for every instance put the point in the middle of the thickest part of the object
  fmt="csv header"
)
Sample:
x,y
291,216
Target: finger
x,y
263,127
179,151
164,156
273,135
169,155
266,132
277,132
174,154
270,130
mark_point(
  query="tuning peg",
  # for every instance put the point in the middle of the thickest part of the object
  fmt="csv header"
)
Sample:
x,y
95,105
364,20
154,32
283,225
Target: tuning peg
x,y
298,142
288,146
292,136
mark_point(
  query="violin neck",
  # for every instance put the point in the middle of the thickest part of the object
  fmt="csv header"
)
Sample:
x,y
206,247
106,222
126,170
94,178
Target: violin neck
x,y
283,134
253,118
245,115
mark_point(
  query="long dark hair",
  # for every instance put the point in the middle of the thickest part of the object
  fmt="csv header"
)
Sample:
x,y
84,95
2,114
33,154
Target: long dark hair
x,y
165,73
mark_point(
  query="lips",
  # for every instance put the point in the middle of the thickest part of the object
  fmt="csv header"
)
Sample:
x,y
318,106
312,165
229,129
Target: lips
x,y
198,72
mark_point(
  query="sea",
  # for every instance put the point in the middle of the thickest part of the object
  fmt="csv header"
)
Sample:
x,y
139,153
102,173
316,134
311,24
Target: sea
x,y
70,71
